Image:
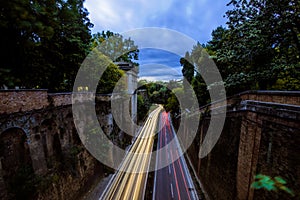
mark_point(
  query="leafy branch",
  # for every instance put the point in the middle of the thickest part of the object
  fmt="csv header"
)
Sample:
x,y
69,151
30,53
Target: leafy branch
x,y
271,184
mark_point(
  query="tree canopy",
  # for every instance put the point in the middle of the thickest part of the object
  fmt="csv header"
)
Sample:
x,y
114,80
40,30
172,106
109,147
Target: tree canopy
x,y
43,43
107,46
260,48
115,46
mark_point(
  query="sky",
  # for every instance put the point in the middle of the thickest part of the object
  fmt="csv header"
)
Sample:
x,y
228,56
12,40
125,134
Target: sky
x,y
195,19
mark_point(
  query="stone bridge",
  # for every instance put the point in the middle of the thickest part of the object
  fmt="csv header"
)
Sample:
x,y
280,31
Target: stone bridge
x,y
38,139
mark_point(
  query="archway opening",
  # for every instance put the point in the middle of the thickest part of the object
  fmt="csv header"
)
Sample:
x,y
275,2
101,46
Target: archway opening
x,y
16,163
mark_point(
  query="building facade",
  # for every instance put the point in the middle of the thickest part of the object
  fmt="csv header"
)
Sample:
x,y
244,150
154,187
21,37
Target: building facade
x,y
131,79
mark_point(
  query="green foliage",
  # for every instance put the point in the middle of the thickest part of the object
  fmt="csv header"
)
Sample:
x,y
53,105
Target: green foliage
x,y
75,150
108,80
261,46
115,46
187,67
94,64
200,89
157,92
199,66
107,46
143,105
70,161
173,103
95,140
271,184
288,77
43,43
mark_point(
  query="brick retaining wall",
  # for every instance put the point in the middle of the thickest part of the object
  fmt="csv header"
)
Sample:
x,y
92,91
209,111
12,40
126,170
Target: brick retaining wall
x,y
261,135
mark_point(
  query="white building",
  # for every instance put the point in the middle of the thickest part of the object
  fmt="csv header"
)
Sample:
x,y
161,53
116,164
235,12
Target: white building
x,y
131,76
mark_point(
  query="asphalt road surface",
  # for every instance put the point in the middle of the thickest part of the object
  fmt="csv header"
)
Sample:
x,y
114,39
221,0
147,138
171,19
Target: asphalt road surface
x,y
173,181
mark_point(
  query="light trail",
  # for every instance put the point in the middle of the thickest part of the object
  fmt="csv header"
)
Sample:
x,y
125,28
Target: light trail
x,y
125,185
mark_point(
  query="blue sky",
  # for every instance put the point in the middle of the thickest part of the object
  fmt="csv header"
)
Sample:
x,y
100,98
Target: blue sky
x,y
194,18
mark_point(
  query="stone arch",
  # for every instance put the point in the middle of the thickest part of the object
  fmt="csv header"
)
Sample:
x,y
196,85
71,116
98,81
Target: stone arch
x,y
14,151
15,162
65,128
51,142
72,135
47,130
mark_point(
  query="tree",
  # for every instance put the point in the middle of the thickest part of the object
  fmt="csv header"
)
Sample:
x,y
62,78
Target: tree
x,y
199,63
188,74
44,43
200,89
261,42
172,84
187,67
109,47
115,46
173,103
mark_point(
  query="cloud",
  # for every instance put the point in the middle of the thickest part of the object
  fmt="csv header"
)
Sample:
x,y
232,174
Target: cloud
x,y
159,72
195,18
162,39
119,16
156,64
158,56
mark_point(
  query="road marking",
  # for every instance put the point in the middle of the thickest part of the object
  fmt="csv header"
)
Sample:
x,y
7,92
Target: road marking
x,y
177,170
176,180
184,177
184,169
172,193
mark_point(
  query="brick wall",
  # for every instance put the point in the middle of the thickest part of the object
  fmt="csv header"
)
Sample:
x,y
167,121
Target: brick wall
x,y
218,170
22,100
261,135
12,101
60,99
47,121
283,97
279,156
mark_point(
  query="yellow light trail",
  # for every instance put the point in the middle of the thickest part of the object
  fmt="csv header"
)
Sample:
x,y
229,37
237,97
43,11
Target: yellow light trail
x,y
125,185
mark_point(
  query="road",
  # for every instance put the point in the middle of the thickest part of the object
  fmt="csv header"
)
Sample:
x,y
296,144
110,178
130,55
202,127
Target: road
x,y
125,185
173,181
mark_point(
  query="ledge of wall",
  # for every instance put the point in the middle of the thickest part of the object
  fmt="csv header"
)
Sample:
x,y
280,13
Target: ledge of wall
x,y
22,100
12,101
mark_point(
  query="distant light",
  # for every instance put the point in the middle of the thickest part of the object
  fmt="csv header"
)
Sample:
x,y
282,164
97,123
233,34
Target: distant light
x,y
187,110
82,88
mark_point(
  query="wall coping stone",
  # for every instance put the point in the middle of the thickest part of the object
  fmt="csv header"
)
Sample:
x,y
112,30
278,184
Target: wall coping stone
x,y
23,90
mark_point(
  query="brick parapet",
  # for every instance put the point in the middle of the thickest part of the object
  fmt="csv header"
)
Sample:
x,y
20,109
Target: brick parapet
x,y
283,97
13,101
256,110
60,99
